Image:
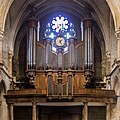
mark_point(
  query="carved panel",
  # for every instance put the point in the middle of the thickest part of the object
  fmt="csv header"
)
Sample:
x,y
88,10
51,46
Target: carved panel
x,y
40,57
79,57
50,79
41,83
68,85
66,61
79,81
54,61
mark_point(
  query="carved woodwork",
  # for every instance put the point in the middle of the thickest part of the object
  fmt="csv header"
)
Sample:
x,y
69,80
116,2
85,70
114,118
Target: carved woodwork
x,y
59,73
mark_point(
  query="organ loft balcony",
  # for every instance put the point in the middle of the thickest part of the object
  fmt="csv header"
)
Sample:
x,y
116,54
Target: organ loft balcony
x,y
55,86
61,66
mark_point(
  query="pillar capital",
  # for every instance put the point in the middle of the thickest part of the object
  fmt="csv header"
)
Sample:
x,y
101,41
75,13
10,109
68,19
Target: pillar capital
x,y
85,103
108,54
117,34
10,52
34,102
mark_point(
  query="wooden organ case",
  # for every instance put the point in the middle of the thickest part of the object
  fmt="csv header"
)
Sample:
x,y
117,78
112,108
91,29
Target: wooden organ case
x,y
60,73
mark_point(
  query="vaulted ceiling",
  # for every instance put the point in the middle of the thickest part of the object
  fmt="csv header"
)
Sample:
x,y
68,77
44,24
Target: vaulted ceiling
x,y
20,10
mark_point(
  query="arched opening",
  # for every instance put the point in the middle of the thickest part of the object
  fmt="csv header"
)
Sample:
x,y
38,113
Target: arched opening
x,y
55,70
21,46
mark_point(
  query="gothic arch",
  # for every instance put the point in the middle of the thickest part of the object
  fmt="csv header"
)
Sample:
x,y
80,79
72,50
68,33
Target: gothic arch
x,y
115,9
7,5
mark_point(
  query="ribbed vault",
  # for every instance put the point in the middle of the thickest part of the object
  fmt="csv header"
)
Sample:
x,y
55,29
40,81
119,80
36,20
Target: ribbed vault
x,y
20,11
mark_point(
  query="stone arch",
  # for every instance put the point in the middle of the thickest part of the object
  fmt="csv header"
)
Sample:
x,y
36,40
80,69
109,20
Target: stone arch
x,y
7,5
4,8
115,9
20,17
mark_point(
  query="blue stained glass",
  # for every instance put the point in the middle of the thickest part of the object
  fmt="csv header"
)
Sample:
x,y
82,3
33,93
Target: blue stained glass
x,y
59,24
68,35
52,35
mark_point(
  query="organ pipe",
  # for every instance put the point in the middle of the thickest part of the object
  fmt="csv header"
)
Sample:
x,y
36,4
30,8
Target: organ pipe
x,y
48,54
31,43
60,60
89,42
71,53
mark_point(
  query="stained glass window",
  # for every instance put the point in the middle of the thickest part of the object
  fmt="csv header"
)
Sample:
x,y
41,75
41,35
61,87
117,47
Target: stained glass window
x,y
60,26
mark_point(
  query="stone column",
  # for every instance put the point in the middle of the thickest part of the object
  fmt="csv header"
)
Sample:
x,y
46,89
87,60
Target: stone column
x,y
10,62
11,112
107,111
85,111
1,39
108,62
117,33
34,111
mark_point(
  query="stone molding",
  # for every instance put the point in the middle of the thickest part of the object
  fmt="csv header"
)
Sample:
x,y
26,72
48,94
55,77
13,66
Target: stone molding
x,y
10,62
1,34
108,54
1,39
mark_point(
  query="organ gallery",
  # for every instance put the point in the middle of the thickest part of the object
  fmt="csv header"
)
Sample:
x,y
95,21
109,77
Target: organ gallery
x,y
62,62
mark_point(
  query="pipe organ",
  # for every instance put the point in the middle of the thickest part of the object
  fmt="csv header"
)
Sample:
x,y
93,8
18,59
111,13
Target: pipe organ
x,y
31,46
60,63
48,53
59,70
89,42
